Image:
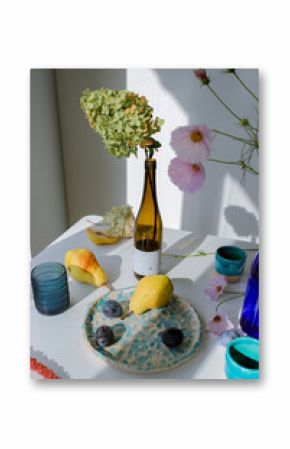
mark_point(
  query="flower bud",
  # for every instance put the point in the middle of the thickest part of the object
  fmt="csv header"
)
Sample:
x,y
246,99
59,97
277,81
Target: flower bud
x,y
202,76
245,122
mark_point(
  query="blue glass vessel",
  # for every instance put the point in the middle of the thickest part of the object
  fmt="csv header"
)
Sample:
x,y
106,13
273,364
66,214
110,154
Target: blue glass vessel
x,y
50,288
249,320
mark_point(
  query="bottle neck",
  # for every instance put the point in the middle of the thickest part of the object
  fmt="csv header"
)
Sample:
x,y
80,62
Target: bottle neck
x,y
254,271
149,182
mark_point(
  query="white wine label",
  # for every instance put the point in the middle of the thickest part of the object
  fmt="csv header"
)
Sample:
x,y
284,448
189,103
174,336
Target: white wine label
x,y
146,262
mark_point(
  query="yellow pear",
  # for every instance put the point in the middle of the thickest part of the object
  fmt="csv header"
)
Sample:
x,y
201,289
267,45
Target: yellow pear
x,y
151,292
99,238
83,266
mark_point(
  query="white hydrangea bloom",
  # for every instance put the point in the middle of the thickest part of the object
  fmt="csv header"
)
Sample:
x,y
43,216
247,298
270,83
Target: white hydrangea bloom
x,y
120,222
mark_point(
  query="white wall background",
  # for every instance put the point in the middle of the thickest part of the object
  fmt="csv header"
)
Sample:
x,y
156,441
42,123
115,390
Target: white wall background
x,y
72,175
95,181
48,215
223,206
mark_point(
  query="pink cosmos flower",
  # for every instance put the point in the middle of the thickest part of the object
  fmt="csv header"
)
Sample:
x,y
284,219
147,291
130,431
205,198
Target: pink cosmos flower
x,y
215,287
219,323
192,143
188,177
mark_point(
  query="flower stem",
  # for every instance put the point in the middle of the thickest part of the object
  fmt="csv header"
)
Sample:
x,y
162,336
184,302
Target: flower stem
x,y
223,103
149,174
199,254
220,161
242,164
233,293
240,139
249,168
226,300
184,256
245,86
228,108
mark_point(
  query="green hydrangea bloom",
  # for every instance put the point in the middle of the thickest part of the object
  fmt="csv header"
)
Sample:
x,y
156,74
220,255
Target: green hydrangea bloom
x,y
124,120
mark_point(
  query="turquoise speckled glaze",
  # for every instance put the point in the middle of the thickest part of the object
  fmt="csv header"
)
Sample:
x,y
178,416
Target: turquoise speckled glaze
x,y
138,347
230,260
248,346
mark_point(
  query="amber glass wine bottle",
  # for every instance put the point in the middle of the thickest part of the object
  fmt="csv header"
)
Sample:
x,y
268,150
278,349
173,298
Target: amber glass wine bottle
x,y
148,227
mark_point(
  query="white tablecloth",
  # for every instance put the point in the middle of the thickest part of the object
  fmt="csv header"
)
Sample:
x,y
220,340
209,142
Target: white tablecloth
x,y
58,342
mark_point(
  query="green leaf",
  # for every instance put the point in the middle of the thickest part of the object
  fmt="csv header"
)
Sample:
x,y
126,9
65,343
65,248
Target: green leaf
x,y
156,144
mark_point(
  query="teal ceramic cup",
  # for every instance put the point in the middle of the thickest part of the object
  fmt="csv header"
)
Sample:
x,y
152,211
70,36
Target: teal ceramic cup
x,y
230,262
242,358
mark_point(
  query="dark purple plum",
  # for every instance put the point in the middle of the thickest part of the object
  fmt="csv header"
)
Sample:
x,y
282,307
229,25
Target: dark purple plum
x,y
172,337
104,336
112,309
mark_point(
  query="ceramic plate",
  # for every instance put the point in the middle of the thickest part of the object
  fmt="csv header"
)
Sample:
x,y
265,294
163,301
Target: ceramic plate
x,y
138,346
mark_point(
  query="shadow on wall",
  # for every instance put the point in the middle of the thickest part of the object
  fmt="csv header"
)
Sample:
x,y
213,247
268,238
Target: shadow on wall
x,y
244,223
202,211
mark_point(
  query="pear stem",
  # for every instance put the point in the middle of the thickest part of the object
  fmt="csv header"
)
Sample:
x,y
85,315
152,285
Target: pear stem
x,y
109,286
126,315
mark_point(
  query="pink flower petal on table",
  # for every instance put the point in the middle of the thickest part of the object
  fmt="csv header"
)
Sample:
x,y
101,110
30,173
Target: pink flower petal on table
x,y
192,143
215,287
219,323
188,177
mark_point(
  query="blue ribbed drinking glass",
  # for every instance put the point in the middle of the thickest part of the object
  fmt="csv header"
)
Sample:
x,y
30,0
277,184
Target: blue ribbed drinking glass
x,y
50,288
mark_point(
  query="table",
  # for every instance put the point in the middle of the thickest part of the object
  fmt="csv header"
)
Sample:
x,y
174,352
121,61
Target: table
x,y
58,342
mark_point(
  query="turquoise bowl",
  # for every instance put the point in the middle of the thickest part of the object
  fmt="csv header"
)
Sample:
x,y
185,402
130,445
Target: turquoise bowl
x,y
238,367
230,261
